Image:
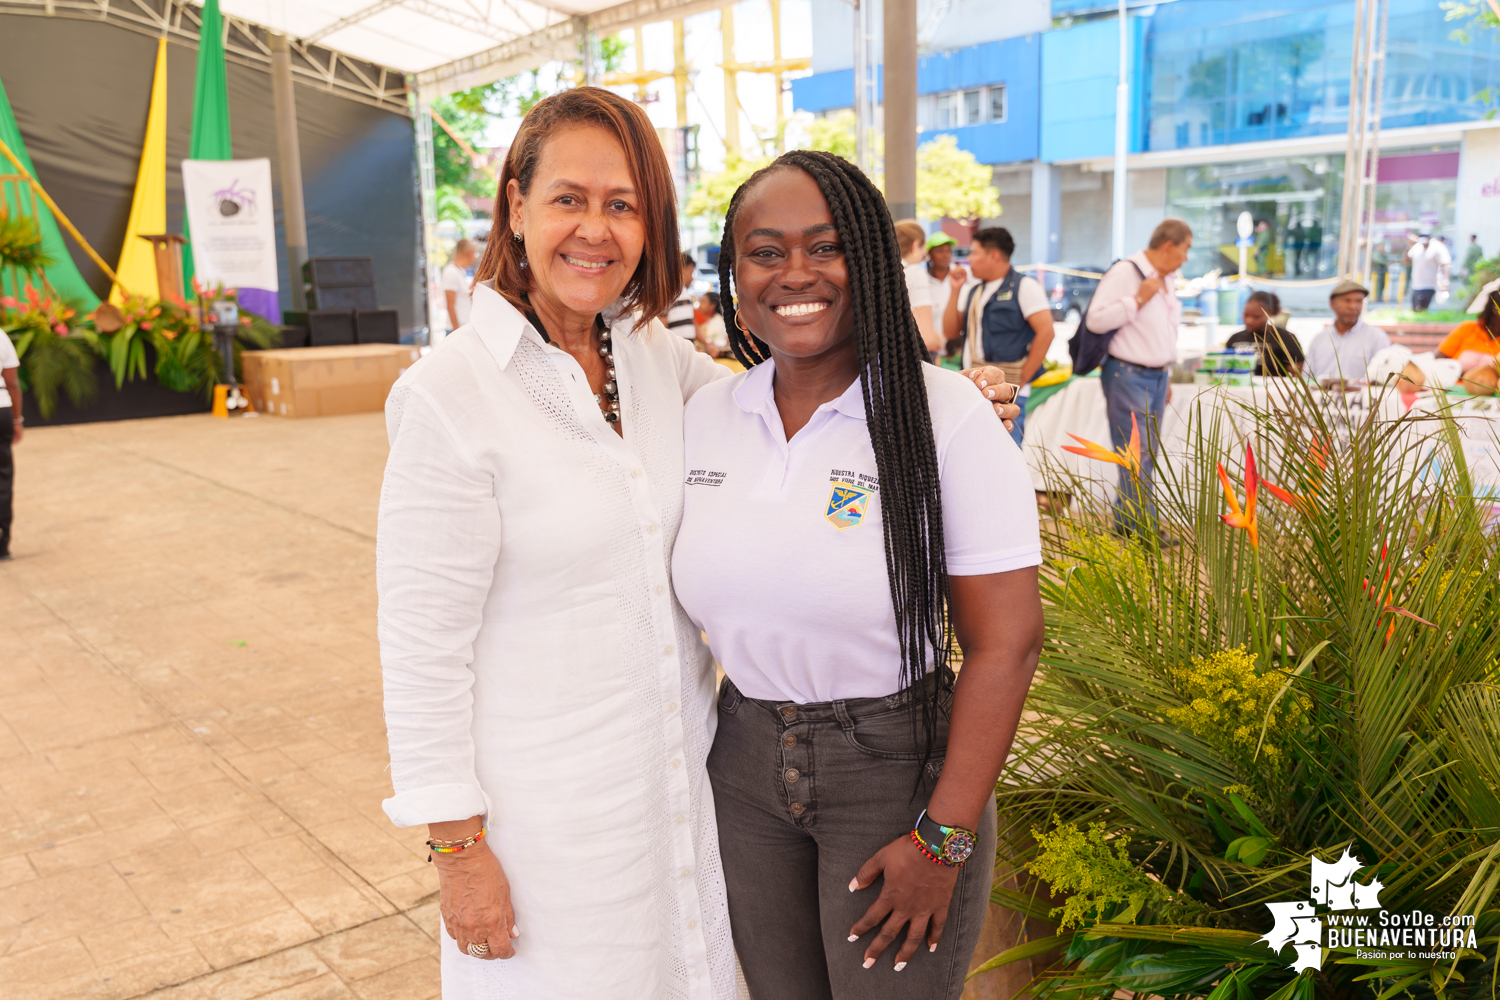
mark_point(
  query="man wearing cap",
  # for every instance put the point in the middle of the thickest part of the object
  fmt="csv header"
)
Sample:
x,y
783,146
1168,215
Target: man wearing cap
x,y
1430,261
939,260
1346,345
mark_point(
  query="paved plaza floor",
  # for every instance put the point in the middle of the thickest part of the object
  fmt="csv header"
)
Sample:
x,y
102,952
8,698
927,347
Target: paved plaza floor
x,y
192,753
192,749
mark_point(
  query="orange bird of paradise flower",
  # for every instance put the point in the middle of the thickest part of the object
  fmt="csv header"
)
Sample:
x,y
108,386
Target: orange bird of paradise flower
x,y
1128,456
1383,597
1237,518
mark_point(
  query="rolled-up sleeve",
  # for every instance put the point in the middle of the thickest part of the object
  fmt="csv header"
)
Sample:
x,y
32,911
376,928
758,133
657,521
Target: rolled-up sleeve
x,y
437,544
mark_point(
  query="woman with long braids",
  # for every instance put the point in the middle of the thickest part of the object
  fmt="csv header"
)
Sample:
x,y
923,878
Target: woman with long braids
x,y
548,704
882,510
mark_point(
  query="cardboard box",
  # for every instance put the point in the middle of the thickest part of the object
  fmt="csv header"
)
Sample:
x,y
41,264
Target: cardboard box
x,y
324,381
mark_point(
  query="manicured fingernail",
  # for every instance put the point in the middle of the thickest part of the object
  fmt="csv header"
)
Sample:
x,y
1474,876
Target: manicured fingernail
x,y
515,933
853,937
853,884
990,393
869,962
983,383
900,966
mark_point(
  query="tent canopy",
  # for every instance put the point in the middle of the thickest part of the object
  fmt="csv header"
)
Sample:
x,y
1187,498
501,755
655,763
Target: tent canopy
x,y
453,44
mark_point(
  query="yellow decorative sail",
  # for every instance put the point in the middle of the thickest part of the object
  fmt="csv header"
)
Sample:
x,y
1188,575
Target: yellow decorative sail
x,y
136,273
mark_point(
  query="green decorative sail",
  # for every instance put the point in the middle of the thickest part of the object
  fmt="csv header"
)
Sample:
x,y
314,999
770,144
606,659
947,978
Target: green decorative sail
x,y
210,139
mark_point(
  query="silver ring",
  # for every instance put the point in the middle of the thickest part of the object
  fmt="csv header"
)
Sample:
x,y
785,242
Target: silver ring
x,y
478,950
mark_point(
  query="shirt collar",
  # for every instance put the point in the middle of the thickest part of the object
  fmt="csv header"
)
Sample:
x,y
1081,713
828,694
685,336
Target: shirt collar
x,y
755,394
501,326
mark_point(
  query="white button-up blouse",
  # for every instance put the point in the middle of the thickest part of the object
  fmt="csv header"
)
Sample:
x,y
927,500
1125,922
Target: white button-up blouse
x,y
538,668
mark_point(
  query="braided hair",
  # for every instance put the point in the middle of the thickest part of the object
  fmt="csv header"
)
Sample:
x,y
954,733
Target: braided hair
x,y
890,356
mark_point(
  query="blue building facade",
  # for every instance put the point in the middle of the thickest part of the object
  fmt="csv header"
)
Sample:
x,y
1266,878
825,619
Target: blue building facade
x,y
1242,103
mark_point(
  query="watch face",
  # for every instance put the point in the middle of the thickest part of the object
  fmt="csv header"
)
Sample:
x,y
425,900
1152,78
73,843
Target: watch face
x,y
958,846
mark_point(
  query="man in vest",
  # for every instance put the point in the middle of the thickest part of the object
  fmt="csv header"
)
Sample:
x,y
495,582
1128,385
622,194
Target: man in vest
x,y
1002,316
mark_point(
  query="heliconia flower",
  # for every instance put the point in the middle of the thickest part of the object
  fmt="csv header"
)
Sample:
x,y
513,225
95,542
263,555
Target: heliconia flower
x,y
1128,456
1385,594
145,324
60,329
1246,518
1285,496
8,302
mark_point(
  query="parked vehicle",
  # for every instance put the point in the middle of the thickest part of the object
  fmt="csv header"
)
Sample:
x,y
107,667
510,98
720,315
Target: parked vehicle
x,y
1070,294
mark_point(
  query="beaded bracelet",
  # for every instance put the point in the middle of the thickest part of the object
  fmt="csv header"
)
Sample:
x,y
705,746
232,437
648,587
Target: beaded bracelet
x,y
453,846
916,839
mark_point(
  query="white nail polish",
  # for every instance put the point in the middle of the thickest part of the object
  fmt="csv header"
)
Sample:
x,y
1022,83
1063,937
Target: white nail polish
x,y
853,885
990,393
932,947
869,962
900,966
983,383
853,938
514,932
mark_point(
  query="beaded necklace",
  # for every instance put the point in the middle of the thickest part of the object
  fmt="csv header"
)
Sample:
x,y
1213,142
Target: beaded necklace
x,y
609,400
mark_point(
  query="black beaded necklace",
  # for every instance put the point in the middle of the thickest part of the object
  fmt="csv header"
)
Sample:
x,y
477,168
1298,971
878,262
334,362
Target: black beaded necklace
x,y
609,400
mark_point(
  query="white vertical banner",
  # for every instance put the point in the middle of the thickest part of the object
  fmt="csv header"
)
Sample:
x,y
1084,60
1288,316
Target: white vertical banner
x,y
231,219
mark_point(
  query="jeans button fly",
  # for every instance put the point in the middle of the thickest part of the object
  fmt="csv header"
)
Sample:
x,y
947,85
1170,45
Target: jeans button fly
x,y
798,809
790,712
792,774
789,740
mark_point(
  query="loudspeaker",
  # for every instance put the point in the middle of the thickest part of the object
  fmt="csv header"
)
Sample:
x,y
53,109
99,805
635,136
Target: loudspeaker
x,y
378,326
340,283
330,327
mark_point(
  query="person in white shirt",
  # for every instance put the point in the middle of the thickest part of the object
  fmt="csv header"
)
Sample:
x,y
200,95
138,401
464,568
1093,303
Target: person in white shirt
x,y
912,240
541,681
456,284
1003,318
1430,261
679,318
939,263
1342,351
1137,298
12,425
878,501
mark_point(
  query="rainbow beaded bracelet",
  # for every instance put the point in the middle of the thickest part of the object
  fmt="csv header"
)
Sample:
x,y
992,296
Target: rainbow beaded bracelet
x,y
453,846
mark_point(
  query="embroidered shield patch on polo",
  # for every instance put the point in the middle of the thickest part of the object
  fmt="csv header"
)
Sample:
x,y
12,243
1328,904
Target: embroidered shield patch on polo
x,y
847,505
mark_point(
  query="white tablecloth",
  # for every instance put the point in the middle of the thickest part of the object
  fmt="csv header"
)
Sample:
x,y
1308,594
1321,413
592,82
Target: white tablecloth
x,y
1079,408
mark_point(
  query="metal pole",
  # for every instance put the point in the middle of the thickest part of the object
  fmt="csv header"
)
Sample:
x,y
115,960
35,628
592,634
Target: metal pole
x,y
679,70
1368,212
864,91
731,83
899,103
1122,136
289,156
437,313
1347,221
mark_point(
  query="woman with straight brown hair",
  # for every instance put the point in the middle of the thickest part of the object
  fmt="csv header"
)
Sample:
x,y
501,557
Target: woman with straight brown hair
x,y
548,703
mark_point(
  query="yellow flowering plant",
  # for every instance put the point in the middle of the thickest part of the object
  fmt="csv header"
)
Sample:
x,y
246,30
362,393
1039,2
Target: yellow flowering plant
x,y
1213,710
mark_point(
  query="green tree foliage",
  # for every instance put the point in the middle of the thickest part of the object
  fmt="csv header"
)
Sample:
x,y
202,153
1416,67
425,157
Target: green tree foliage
x,y
710,199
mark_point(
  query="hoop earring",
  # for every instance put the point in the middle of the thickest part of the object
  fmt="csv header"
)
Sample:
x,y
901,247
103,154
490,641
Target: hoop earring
x,y
741,325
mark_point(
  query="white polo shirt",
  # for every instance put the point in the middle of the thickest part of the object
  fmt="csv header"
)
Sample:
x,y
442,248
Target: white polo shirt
x,y
8,360
781,554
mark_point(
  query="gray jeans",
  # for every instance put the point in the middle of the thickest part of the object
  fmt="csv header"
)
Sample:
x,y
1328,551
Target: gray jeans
x,y
805,795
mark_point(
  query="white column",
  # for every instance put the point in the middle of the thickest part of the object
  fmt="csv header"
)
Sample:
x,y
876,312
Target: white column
x,y
1122,136
431,267
289,157
1046,212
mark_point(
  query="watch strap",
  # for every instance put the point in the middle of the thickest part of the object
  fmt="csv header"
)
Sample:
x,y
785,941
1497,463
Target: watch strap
x,y
943,845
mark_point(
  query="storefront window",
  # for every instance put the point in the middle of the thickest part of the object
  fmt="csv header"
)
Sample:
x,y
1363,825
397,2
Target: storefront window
x,y
1294,202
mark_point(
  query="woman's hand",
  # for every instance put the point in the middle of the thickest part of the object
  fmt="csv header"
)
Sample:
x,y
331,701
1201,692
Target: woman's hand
x,y
916,893
475,901
991,381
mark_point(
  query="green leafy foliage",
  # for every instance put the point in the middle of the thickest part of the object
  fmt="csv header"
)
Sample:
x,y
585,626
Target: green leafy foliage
x,y
21,245
55,360
1216,713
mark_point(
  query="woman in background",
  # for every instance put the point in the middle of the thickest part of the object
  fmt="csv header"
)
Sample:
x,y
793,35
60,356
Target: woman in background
x,y
912,239
1277,351
713,340
1475,343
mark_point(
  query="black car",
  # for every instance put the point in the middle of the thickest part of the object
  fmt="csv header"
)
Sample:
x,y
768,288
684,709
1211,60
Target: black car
x,y
1069,294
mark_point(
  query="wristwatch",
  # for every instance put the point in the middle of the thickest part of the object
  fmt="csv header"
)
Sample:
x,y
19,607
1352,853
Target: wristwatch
x,y
944,845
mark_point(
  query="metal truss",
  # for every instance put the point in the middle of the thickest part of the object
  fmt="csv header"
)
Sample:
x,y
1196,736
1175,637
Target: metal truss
x,y
245,43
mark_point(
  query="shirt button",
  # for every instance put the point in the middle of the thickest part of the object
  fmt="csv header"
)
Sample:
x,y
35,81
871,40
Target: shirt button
x,y
636,473
790,712
792,774
667,650
651,529
798,809
679,819
789,740
687,873
692,924
677,762
660,589
671,706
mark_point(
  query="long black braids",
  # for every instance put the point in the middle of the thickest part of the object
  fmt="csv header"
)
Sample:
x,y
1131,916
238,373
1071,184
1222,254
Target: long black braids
x,y
891,355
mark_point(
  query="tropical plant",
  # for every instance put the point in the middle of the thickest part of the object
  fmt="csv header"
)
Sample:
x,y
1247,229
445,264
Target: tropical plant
x,y
169,341
55,358
1229,703
21,246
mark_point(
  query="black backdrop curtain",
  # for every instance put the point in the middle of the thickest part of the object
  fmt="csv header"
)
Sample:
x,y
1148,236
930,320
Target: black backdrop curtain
x,y
81,91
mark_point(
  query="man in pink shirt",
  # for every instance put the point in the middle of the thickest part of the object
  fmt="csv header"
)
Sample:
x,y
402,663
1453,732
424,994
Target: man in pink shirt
x,y
1140,303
